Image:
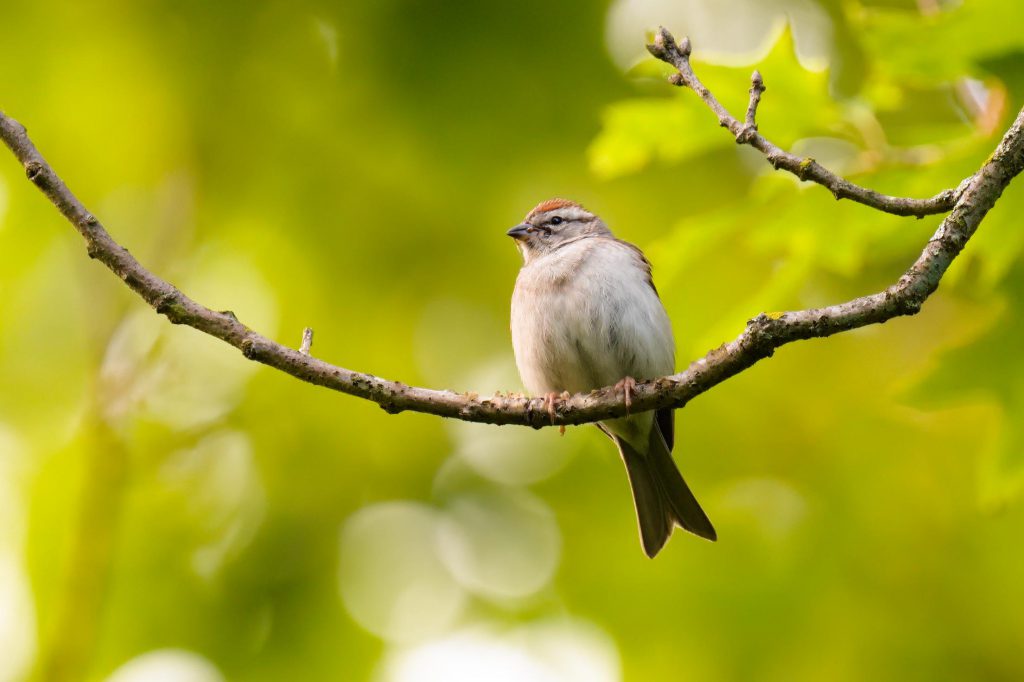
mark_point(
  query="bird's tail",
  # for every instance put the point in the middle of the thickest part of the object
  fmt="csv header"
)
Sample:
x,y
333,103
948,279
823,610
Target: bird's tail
x,y
661,496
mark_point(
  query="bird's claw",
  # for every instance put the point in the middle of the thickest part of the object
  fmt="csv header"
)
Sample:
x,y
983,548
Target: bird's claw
x,y
627,385
549,405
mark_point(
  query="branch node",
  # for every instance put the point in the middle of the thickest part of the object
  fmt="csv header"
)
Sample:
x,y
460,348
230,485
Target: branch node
x,y
307,341
677,79
250,349
230,314
33,169
171,306
804,168
747,134
534,416
909,305
758,321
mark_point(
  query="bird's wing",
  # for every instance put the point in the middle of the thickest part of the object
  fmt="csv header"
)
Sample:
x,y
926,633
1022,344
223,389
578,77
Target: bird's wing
x,y
665,420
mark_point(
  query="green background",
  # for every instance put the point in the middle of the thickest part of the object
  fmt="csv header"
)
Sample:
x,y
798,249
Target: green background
x,y
168,508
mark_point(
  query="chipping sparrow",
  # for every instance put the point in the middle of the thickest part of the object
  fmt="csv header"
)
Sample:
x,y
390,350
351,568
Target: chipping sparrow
x,y
585,314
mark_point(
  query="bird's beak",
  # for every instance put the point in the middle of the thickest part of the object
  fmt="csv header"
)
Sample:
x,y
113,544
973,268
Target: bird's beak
x,y
519,232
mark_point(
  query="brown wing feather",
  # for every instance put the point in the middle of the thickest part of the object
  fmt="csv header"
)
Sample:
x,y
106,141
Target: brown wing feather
x,y
644,262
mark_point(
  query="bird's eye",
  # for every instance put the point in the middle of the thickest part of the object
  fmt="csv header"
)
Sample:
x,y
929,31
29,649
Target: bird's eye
x,y
557,220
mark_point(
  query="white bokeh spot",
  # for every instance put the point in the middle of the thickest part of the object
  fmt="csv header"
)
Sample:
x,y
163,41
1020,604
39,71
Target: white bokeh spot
x,y
564,650
392,580
501,543
167,665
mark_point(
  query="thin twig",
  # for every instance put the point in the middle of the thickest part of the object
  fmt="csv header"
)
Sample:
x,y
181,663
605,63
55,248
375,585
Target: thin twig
x,y
763,334
805,168
756,90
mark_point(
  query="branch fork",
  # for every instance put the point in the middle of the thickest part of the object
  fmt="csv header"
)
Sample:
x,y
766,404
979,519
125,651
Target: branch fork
x,y
665,48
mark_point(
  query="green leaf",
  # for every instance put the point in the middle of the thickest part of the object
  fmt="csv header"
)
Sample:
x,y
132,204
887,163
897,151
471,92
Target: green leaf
x,y
636,132
986,368
945,46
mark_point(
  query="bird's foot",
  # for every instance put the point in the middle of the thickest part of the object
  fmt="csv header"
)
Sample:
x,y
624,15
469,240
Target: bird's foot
x,y
627,386
549,404
565,396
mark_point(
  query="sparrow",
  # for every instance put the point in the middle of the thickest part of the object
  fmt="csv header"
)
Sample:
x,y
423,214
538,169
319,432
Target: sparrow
x,y
586,314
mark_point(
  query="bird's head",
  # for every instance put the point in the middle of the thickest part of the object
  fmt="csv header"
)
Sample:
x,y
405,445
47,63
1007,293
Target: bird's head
x,y
553,223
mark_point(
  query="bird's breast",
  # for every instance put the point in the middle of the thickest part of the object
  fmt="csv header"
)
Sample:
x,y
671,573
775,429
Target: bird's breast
x,y
586,318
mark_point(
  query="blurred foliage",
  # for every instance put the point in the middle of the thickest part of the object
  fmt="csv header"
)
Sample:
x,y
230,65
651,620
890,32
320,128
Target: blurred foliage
x,y
637,127
170,511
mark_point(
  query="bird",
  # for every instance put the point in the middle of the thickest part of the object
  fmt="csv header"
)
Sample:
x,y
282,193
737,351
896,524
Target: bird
x,y
586,314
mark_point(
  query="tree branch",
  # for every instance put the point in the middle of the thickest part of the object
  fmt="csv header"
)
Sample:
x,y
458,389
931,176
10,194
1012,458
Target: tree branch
x,y
763,334
745,132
